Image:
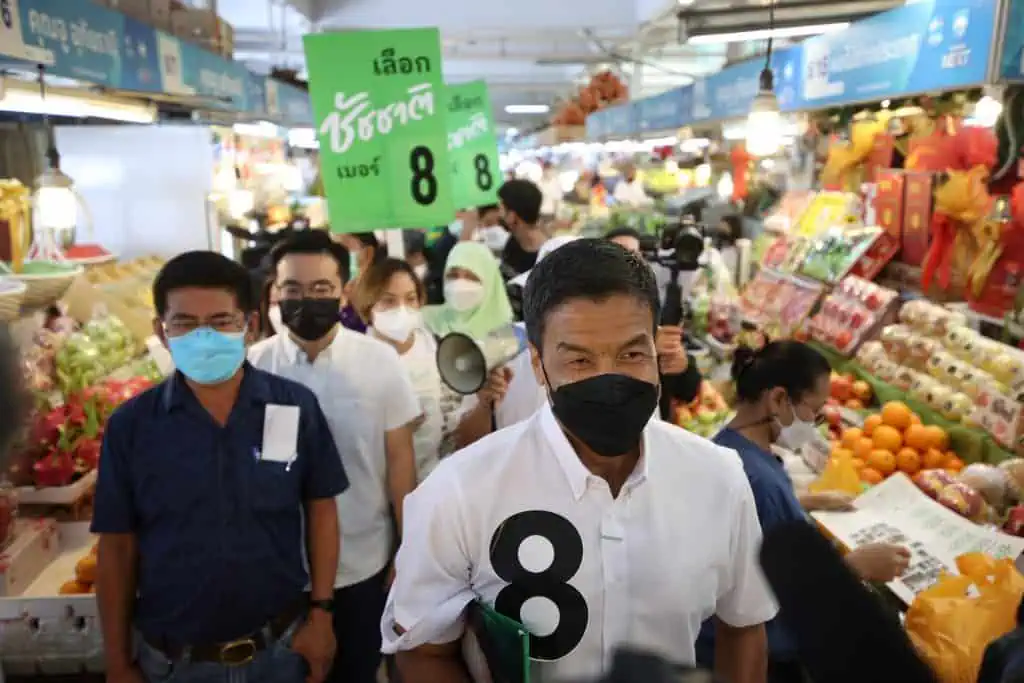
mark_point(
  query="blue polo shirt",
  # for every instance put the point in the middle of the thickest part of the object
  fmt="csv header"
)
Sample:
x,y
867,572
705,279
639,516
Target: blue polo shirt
x,y
219,528
776,503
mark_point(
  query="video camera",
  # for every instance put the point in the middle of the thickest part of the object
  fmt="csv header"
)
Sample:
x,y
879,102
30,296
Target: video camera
x,y
676,249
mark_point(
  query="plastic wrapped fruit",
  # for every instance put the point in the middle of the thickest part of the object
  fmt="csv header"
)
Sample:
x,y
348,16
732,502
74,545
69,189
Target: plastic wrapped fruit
x,y
964,500
1014,468
991,482
932,482
1014,524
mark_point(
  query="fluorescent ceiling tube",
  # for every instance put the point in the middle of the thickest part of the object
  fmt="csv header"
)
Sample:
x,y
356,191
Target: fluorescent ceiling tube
x,y
766,33
24,98
260,129
527,109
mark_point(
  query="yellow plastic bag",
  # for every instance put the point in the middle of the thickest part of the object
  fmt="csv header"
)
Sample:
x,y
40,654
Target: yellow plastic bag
x,y
951,625
839,475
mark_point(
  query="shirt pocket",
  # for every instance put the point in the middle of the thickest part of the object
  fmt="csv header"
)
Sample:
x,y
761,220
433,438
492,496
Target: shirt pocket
x,y
274,487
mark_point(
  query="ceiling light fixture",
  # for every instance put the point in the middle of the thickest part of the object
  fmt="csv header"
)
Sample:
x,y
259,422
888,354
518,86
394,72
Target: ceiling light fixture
x,y
21,98
764,125
766,33
527,109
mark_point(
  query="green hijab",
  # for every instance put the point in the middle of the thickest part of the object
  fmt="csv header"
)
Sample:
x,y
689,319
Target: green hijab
x,y
493,311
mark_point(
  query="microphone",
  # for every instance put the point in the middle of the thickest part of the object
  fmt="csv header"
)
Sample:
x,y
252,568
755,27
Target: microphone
x,y
842,631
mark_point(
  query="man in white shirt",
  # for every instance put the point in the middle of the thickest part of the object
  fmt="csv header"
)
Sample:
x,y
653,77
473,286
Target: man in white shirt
x,y
551,189
630,189
371,409
590,523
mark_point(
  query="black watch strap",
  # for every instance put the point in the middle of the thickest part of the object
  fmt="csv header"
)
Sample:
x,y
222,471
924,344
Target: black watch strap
x,y
324,605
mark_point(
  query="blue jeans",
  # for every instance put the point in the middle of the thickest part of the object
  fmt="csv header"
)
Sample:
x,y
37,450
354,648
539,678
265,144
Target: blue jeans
x,y
278,664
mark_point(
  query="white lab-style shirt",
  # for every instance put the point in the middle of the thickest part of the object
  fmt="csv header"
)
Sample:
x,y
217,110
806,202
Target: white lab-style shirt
x,y
645,569
551,194
364,391
420,362
631,193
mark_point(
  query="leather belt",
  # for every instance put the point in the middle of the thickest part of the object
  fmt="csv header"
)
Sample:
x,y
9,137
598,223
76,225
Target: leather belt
x,y
238,652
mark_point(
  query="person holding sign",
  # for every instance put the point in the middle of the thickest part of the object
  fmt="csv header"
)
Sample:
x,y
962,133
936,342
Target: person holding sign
x,y
588,523
372,411
520,213
782,389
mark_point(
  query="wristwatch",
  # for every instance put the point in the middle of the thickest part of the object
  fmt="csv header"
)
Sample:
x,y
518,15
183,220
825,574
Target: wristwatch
x,y
323,605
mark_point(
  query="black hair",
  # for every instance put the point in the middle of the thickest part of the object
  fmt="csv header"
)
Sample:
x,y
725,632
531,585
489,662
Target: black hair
x,y
368,239
624,231
375,280
735,224
206,270
311,242
522,197
482,211
266,327
414,241
588,268
792,365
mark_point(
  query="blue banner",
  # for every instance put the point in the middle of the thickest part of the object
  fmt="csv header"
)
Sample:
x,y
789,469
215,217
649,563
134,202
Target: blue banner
x,y
288,104
920,47
616,121
212,76
1011,62
729,93
667,111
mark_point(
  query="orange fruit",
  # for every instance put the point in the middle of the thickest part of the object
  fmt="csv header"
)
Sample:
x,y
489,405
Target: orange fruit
x,y
862,449
908,461
917,437
897,414
882,460
858,464
841,453
887,438
937,437
934,459
915,419
851,435
871,476
870,422
954,464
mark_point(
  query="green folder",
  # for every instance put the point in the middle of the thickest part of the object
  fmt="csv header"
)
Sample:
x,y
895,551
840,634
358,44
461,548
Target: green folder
x,y
505,643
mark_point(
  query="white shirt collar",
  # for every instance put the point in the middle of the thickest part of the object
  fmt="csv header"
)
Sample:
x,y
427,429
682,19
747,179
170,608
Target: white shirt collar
x,y
576,473
295,354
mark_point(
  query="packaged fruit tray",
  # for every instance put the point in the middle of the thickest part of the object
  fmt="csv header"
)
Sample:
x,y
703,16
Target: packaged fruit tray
x,y
850,313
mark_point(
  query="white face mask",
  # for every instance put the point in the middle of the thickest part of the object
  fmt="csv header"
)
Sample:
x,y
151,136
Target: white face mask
x,y
463,295
397,324
494,237
798,433
274,315
421,271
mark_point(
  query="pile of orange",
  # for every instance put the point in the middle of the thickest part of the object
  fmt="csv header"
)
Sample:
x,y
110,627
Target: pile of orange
x,y
895,440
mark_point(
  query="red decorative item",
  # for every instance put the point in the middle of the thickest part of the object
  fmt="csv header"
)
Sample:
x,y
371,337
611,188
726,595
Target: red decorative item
x,y
940,253
740,159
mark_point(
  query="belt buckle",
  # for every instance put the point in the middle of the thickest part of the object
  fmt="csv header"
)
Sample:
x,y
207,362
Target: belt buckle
x,y
238,653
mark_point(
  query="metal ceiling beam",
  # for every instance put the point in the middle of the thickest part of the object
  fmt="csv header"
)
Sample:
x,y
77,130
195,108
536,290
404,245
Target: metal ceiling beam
x,y
801,8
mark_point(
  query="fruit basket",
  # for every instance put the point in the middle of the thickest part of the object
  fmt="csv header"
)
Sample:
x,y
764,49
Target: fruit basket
x,y
12,295
45,288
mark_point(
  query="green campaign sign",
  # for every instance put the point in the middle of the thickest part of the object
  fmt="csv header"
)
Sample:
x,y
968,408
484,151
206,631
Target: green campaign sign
x,y
472,145
378,101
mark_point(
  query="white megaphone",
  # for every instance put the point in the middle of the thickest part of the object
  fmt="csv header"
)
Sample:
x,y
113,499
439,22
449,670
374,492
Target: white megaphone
x,y
465,362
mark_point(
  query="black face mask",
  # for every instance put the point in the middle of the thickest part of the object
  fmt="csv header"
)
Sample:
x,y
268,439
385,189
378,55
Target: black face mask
x,y
310,319
608,412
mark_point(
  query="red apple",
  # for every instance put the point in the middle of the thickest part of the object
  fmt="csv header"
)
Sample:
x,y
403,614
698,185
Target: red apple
x,y
873,301
841,388
843,339
1015,521
832,415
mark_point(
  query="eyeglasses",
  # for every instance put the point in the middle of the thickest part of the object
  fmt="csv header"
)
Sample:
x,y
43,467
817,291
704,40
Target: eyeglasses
x,y
228,323
317,290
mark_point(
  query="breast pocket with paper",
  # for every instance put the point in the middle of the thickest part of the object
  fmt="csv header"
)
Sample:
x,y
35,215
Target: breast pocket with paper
x,y
276,470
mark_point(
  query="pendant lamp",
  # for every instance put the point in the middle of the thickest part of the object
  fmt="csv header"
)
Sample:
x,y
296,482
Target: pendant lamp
x,y
764,124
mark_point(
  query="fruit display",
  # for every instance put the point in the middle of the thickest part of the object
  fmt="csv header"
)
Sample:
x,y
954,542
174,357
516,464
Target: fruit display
x,y
850,313
955,495
84,581
100,347
846,391
705,414
778,303
835,250
604,89
895,440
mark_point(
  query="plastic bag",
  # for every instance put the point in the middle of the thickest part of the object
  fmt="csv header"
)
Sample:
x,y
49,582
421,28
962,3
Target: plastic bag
x,y
953,622
840,475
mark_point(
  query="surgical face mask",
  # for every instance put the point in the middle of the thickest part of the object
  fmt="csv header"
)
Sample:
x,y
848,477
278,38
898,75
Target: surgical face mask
x,y
274,317
455,228
796,434
397,324
207,356
607,412
421,271
463,295
310,319
494,237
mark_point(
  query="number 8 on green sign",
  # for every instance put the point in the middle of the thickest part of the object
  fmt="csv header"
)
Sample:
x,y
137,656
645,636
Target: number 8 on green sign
x,y
484,179
423,183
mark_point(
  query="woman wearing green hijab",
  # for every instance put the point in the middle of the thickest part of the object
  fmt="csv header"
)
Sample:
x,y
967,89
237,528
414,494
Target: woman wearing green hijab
x,y
474,294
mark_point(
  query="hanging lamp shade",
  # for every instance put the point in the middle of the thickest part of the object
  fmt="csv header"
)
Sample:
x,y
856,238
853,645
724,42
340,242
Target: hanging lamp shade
x,y
764,124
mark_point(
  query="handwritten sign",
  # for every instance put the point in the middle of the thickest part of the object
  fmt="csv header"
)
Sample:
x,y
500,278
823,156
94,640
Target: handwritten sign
x,y
472,145
378,104
895,511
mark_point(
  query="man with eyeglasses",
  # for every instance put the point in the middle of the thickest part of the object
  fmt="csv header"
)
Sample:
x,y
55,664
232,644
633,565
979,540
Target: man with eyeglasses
x,y
372,411
206,483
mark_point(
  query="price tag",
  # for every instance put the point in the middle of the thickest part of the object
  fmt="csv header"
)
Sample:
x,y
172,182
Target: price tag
x,y
472,145
378,103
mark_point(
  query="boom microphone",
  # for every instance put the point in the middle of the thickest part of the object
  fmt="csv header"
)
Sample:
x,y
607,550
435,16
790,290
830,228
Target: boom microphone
x,y
843,633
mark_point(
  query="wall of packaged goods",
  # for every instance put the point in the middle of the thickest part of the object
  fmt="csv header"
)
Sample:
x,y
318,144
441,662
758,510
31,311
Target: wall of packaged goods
x,y
927,46
83,40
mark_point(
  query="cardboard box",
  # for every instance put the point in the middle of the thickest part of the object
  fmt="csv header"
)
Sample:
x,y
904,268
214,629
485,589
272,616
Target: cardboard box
x,y
136,9
880,158
200,26
34,547
917,217
888,202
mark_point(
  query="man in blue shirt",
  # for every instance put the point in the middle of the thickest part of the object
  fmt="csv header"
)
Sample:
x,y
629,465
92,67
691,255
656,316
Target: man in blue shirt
x,y
206,484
